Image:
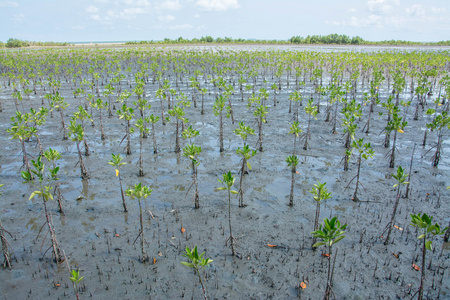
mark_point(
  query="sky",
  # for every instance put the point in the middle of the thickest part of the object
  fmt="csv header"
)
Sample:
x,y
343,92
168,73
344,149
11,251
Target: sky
x,y
131,20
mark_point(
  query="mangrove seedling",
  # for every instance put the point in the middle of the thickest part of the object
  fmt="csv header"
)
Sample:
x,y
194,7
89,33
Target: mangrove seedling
x,y
197,262
126,113
427,232
191,151
178,113
218,107
295,130
320,193
82,115
99,105
143,130
400,177
227,181
330,233
52,156
152,120
21,131
76,134
140,192
44,189
365,152
246,154
76,279
116,162
312,111
397,125
292,162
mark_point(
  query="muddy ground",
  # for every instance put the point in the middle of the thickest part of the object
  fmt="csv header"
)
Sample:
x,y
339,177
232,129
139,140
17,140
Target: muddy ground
x,y
97,236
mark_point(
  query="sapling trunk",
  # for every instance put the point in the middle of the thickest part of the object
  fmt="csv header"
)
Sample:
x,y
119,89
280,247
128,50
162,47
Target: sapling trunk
x,y
221,132
103,137
155,150
291,195
231,238
241,183
195,183
355,194
392,156
56,250
391,222
141,222
141,160
63,124
128,148
5,246
84,173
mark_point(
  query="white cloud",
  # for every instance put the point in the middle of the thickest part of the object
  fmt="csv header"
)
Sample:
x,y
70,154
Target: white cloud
x,y
19,18
383,6
218,5
78,27
8,4
416,10
166,18
92,9
196,16
438,10
181,27
352,10
170,5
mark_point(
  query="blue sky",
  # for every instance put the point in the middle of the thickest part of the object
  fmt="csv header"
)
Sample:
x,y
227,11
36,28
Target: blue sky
x,y
128,20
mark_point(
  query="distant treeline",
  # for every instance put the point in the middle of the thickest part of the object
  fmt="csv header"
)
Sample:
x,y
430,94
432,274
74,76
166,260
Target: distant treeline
x,y
338,39
16,43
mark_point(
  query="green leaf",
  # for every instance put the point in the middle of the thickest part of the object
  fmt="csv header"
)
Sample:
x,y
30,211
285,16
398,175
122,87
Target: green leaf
x,y
187,264
318,244
249,166
221,188
34,194
234,192
421,236
428,245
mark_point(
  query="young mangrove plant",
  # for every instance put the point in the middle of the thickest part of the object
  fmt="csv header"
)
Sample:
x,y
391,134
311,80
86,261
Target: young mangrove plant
x,y
218,107
365,152
100,105
75,279
192,151
246,154
126,113
330,233
295,130
152,119
320,194
197,262
21,131
52,156
292,162
140,192
76,134
116,162
397,125
58,103
81,114
440,125
228,182
143,130
427,232
178,113
44,187
312,111
400,177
